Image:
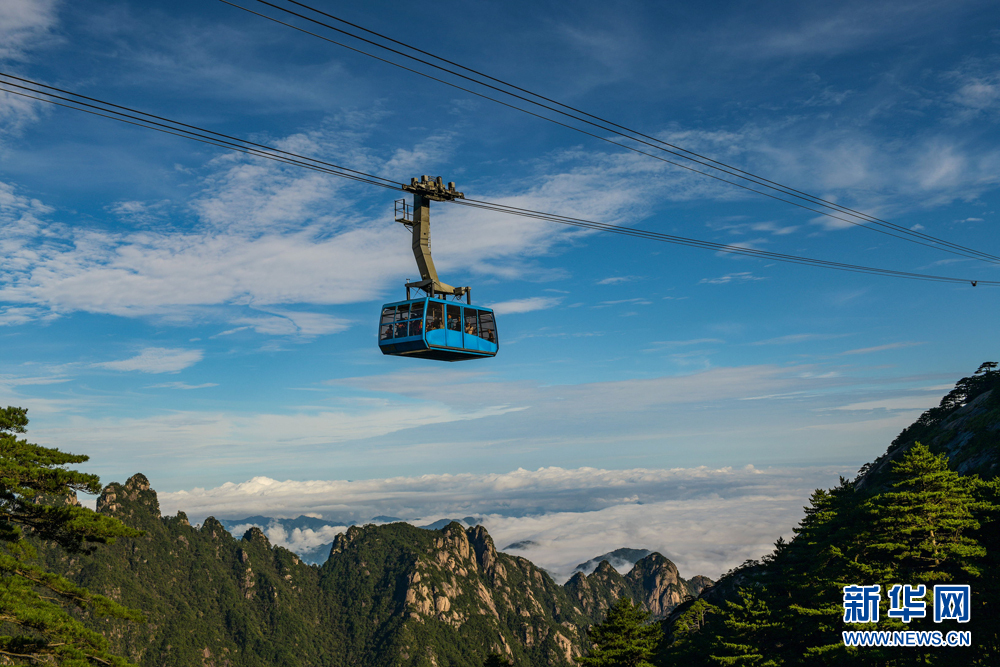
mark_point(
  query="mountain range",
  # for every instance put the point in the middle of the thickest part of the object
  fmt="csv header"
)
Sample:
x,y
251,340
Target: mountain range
x,y
388,594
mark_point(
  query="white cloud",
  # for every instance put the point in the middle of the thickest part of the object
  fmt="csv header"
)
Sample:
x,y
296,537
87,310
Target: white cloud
x,y
617,280
156,360
183,385
797,338
882,348
272,236
139,212
526,305
898,403
255,439
706,520
23,24
15,381
296,539
13,316
740,277
681,343
638,301
291,323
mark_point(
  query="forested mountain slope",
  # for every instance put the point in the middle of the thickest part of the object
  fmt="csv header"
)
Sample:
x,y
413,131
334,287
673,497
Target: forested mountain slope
x,y
388,595
925,513
965,427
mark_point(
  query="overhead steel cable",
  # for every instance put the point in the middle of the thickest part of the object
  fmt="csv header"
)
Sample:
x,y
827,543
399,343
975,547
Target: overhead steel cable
x,y
715,164
176,128
877,224
710,245
138,118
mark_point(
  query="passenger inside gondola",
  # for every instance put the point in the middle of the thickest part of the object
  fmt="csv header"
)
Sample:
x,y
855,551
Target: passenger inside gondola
x,y
417,319
454,318
488,326
435,320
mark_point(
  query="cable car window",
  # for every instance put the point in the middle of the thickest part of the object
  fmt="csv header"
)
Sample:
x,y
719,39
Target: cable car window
x,y
454,318
403,313
488,326
416,310
416,327
435,318
385,332
388,314
472,321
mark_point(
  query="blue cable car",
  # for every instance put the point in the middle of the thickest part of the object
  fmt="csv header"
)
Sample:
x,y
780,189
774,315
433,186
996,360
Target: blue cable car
x,y
432,327
429,328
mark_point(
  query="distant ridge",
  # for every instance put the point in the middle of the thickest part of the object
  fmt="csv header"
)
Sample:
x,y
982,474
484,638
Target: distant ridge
x,y
621,559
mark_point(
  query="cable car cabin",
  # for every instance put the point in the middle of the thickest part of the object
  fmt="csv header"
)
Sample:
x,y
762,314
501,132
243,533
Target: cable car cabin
x,y
435,329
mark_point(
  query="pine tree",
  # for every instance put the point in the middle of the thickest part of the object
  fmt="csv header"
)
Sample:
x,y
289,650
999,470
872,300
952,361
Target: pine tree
x,y
691,633
985,624
496,660
38,501
626,638
923,525
750,634
805,578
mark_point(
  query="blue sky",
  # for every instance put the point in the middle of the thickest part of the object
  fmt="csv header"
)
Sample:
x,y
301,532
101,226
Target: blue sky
x,y
209,319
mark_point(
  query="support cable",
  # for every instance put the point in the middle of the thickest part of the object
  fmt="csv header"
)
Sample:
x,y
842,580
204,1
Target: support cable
x,y
138,118
876,224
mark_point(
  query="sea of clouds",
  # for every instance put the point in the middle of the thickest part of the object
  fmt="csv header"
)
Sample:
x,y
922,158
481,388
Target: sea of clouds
x,y
706,520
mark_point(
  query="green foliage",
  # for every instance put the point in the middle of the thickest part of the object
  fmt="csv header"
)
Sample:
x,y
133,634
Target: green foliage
x,y
930,525
922,527
690,636
38,501
750,633
626,638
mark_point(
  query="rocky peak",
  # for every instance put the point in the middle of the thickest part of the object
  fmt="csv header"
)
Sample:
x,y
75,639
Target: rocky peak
x,y
482,545
136,483
257,537
133,499
657,583
213,527
698,583
343,540
605,570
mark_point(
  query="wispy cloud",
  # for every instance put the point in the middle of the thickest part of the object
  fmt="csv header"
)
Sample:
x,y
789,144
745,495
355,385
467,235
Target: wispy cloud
x,y
13,315
526,305
182,385
23,24
156,360
682,343
740,277
292,323
882,348
636,301
617,280
902,403
798,338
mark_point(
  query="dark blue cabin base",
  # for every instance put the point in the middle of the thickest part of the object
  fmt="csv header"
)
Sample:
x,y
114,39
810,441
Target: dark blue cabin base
x,y
438,330
436,354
